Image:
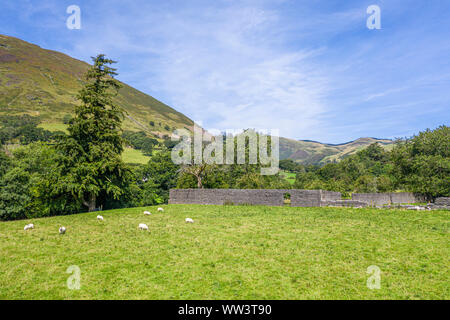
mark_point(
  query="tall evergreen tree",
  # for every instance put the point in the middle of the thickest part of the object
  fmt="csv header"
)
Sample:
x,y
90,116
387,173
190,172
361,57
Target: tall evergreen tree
x,y
91,153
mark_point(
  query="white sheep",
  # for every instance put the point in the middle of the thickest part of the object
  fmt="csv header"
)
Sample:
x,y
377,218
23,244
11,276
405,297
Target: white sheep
x,y
147,213
62,230
160,209
29,226
100,218
143,226
189,220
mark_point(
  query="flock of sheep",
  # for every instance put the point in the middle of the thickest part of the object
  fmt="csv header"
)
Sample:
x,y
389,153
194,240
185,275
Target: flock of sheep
x,y
142,226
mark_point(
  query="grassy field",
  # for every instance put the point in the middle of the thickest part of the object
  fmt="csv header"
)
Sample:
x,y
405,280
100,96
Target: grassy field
x,y
131,155
289,176
230,252
53,127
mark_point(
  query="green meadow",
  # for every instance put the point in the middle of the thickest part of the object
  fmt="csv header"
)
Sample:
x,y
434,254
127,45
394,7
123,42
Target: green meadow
x,y
229,252
131,155
289,176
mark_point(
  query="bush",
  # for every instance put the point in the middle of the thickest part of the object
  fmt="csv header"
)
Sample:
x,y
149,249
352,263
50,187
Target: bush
x,y
67,118
30,186
140,141
15,195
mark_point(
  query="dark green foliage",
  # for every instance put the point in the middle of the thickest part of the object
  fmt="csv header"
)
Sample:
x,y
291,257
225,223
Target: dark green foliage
x,y
140,141
290,165
158,177
67,118
29,134
14,194
3,137
423,162
23,129
5,163
18,121
29,189
169,144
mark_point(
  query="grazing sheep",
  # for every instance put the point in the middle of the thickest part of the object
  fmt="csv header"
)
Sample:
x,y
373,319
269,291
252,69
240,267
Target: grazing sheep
x,y
100,218
147,213
62,230
143,226
189,220
29,226
160,209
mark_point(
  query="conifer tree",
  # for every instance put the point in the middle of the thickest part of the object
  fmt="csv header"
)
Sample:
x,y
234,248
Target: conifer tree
x,y
91,153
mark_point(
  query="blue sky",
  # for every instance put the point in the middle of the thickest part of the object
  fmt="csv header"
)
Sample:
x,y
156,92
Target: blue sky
x,y
311,69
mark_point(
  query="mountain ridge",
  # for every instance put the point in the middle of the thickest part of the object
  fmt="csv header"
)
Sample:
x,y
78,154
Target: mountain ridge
x,y
314,152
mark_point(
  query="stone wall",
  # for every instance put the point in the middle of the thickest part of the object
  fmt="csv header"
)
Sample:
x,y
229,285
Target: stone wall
x,y
406,197
299,198
269,197
330,195
305,198
379,199
344,203
441,203
372,199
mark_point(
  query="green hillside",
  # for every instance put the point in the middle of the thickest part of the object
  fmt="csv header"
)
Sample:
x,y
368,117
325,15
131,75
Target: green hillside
x,y
43,83
312,152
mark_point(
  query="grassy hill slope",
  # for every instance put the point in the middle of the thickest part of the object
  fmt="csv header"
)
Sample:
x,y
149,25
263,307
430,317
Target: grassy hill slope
x,y
230,252
43,83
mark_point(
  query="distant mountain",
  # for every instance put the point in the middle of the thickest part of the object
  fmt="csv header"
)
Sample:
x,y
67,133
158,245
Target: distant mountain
x,y
43,83
313,152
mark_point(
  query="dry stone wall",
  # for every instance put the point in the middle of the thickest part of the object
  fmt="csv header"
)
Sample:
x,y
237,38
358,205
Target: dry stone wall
x,y
227,196
379,199
269,197
344,203
441,203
